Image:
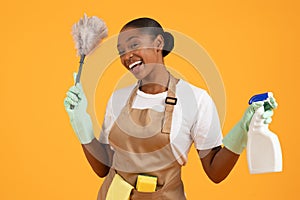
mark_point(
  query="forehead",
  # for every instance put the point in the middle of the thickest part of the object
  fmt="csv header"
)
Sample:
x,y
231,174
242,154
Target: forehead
x,y
127,33
130,33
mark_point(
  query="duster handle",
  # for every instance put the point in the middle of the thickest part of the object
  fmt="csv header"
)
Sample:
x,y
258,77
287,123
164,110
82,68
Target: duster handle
x,y
82,57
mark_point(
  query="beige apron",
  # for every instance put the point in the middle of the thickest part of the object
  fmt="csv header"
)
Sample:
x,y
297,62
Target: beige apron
x,y
141,141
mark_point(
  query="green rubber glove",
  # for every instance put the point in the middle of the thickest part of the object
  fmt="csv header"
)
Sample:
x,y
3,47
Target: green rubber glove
x,y
236,139
79,118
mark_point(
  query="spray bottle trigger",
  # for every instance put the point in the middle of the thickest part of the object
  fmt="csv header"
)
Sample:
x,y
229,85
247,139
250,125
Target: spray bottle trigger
x,y
267,106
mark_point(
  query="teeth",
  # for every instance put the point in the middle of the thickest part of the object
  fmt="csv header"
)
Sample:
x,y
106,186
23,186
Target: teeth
x,y
132,65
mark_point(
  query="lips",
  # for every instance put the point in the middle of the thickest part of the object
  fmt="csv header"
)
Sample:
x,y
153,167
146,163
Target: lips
x,y
135,64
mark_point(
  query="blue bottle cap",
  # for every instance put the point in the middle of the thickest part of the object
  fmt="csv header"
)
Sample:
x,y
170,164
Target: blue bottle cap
x,y
259,97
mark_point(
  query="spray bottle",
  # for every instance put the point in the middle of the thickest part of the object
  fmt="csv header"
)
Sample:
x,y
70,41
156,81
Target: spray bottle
x,y
263,147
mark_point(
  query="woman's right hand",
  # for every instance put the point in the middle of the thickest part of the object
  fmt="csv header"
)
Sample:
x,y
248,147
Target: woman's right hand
x,y
75,104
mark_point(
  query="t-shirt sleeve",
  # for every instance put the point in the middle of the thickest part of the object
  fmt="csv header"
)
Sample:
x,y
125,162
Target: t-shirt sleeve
x,y
206,131
107,123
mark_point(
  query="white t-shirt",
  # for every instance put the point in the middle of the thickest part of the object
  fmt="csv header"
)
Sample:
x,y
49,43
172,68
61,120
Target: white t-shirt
x,y
195,118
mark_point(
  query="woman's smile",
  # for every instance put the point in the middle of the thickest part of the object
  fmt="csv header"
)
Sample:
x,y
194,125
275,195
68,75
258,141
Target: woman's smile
x,y
136,67
135,64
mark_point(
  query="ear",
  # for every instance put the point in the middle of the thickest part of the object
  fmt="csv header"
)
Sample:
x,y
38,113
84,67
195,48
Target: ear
x,y
159,42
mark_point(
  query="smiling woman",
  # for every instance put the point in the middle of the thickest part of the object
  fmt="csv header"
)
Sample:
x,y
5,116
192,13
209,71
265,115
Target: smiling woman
x,y
149,127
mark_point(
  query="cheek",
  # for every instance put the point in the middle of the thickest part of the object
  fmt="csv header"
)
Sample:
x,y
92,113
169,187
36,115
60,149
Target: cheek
x,y
149,55
122,60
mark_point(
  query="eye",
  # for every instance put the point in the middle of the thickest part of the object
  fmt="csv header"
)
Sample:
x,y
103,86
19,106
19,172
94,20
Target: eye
x,y
121,52
134,45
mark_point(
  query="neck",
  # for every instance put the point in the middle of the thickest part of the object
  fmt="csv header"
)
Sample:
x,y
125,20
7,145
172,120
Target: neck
x,y
156,82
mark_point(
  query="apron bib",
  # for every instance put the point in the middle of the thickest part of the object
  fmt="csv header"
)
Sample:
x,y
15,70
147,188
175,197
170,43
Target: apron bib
x,y
141,141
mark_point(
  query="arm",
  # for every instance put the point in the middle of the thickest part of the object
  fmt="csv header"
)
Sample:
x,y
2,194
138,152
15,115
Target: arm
x,y
218,163
99,156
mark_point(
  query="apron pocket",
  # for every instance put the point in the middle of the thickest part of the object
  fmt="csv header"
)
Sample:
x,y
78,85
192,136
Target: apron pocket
x,y
136,195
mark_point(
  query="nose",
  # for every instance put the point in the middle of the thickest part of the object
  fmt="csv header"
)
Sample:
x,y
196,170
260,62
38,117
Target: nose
x,y
127,57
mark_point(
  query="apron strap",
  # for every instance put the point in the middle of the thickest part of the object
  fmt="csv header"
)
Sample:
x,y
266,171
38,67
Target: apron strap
x,y
132,95
170,101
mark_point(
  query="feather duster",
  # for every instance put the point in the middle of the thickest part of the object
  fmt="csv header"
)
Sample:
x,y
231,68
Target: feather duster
x,y
87,33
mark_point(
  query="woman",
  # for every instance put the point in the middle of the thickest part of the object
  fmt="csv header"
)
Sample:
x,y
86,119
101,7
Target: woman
x,y
149,127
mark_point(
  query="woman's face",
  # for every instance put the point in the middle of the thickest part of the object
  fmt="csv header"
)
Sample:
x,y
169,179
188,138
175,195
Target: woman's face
x,y
139,52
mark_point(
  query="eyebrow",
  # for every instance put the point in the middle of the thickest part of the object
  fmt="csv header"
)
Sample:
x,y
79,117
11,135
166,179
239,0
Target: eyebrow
x,y
130,38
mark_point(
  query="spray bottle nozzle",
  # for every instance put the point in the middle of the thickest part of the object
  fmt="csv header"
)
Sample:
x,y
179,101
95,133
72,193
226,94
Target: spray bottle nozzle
x,y
262,97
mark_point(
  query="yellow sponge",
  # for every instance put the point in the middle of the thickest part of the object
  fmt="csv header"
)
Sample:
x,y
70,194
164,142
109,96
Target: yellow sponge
x,y
146,183
119,189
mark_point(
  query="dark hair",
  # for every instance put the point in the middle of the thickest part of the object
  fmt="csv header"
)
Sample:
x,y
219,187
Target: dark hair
x,y
157,29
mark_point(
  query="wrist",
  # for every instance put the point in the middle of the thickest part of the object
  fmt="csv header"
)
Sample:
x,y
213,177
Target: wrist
x,y
236,139
83,128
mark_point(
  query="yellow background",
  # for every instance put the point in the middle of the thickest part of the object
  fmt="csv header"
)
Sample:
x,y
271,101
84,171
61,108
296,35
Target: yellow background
x,y
255,45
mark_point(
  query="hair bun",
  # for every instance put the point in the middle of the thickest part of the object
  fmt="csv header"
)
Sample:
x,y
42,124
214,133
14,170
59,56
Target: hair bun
x,y
169,43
